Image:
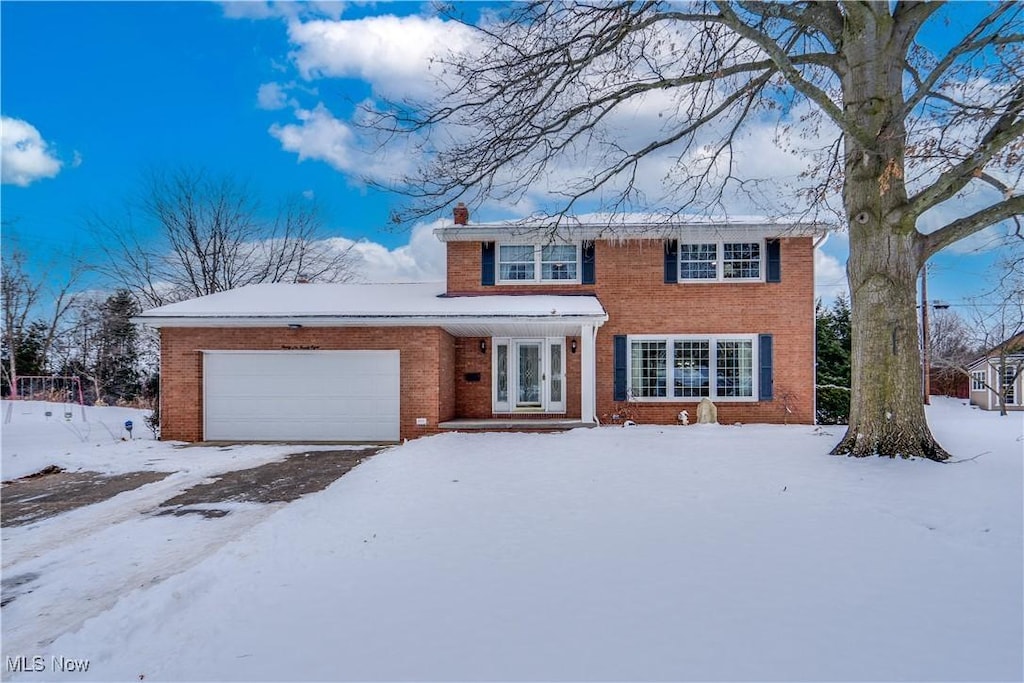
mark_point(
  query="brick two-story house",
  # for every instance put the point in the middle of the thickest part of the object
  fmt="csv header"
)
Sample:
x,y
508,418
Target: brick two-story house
x,y
584,324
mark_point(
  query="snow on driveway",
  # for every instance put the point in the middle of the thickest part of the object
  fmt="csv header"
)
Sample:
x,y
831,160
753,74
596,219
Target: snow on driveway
x,y
657,553
61,571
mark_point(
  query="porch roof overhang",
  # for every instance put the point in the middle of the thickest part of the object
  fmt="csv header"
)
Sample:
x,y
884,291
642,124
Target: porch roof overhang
x,y
459,326
394,305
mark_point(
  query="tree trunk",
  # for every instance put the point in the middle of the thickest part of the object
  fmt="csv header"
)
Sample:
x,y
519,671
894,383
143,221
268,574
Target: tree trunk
x,y
886,412
886,252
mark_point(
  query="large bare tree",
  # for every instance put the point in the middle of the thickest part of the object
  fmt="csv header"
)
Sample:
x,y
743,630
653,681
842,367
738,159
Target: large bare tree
x,y
190,234
906,126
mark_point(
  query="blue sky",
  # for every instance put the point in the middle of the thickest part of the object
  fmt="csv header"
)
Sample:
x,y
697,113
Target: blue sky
x,y
116,89
261,92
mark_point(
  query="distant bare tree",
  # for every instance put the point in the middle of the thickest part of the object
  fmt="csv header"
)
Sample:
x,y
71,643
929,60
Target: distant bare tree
x,y
43,300
192,234
895,126
994,329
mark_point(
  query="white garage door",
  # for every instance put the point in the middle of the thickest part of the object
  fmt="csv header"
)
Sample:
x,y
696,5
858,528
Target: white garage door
x,y
301,395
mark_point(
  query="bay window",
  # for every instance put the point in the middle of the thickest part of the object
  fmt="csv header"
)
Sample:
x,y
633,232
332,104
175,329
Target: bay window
x,y
691,367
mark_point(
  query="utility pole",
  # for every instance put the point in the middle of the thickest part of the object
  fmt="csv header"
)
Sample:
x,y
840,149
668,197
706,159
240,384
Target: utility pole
x,y
925,362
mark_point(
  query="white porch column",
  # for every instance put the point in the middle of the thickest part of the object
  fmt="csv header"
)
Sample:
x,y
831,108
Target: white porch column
x,y
588,374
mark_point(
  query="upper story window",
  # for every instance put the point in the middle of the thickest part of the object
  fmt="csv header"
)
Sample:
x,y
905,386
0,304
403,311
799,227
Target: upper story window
x,y
517,262
717,261
538,263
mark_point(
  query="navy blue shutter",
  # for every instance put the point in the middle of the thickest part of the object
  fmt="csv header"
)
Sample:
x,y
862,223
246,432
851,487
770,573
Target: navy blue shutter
x,y
487,263
671,261
764,352
774,261
589,271
620,367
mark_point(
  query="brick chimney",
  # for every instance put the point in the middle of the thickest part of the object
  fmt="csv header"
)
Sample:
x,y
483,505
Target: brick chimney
x,y
461,214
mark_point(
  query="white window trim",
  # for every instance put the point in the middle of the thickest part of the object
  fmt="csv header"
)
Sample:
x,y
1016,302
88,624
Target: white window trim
x,y
978,380
537,263
713,339
1001,371
719,259
508,406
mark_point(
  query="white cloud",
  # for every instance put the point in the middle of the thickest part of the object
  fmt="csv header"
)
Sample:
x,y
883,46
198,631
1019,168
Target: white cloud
x,y
24,156
308,194
394,54
421,260
271,96
829,276
318,136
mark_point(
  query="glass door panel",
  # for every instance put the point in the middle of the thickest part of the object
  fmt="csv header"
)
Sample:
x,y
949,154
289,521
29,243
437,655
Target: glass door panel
x,y
529,375
556,385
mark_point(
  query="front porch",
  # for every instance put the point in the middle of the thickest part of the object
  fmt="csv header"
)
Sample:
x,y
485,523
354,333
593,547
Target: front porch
x,y
528,366
539,378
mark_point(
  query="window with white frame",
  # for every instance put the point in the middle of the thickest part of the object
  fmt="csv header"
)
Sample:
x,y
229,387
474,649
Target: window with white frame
x,y
538,263
735,368
516,262
692,368
978,380
710,261
689,367
647,368
1009,380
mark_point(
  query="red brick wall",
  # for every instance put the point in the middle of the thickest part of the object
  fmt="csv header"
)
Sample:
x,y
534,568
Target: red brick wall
x,y
427,357
472,399
446,376
631,286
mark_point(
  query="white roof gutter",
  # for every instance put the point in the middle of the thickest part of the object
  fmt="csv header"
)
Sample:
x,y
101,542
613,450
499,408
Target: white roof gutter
x,y
626,231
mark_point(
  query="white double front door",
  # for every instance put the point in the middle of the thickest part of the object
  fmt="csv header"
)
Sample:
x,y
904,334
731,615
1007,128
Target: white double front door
x,y
529,375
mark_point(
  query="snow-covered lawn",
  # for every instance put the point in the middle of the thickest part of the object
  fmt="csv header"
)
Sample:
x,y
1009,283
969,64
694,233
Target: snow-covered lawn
x,y
645,553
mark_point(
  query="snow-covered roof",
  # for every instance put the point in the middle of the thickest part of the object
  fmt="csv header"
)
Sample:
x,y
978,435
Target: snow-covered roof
x,y
631,226
324,305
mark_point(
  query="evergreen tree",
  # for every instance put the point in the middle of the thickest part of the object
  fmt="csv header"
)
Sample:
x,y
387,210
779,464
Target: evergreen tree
x,y
117,356
832,326
29,353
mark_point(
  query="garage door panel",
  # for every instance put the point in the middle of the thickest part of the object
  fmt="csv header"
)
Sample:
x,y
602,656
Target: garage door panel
x,y
296,396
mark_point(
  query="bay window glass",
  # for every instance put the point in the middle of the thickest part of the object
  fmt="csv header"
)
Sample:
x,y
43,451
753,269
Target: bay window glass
x,y
685,367
735,367
647,369
692,368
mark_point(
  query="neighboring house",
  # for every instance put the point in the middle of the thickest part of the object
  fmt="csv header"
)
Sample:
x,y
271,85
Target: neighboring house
x,y
584,324
998,371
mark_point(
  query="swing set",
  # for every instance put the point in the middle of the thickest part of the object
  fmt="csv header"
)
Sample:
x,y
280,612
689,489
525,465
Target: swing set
x,y
50,389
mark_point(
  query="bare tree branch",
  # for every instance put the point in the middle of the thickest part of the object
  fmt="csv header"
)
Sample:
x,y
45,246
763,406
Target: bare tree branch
x,y
968,225
209,235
